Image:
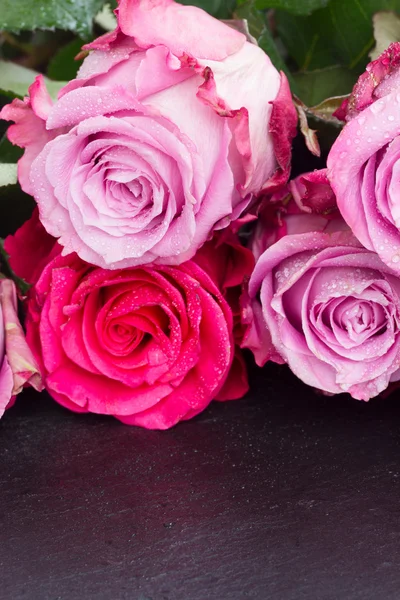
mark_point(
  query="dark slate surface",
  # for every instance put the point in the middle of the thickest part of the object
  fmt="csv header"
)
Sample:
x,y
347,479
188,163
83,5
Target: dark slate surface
x,y
284,495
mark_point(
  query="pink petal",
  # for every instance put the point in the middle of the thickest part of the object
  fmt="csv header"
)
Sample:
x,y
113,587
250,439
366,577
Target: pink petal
x,y
6,386
283,128
29,130
182,29
19,356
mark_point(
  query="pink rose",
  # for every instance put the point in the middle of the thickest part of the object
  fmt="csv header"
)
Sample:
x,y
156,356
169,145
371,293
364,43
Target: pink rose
x,y
174,124
363,164
149,345
329,308
17,365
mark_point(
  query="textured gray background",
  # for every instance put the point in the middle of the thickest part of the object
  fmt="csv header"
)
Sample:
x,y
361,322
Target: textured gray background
x,y
284,495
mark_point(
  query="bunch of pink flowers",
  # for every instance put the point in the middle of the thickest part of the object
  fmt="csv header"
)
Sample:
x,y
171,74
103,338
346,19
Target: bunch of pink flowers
x,y
177,132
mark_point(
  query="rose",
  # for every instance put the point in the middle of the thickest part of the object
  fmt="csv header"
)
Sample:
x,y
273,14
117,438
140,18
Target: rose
x,y
167,134
223,258
329,308
162,357
313,193
363,163
17,365
279,213
380,77
150,345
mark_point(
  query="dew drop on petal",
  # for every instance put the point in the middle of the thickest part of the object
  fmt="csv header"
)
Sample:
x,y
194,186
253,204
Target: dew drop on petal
x,y
377,107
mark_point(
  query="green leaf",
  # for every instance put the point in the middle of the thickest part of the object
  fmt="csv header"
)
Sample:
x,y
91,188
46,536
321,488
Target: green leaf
x,y
211,6
8,272
254,17
305,41
15,208
63,65
315,86
297,7
71,15
8,174
15,80
341,33
222,9
386,30
8,152
325,109
348,27
310,135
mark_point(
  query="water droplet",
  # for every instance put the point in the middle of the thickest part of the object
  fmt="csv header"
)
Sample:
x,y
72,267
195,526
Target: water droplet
x,y
377,107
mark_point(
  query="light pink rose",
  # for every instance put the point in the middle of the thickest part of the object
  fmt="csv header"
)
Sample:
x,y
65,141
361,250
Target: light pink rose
x,y
174,124
329,308
151,345
17,365
364,165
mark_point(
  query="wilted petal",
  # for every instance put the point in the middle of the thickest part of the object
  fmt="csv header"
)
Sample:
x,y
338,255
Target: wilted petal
x,y
23,366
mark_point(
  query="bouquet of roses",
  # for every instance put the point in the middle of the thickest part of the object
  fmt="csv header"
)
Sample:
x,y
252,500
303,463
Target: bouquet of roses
x,y
171,230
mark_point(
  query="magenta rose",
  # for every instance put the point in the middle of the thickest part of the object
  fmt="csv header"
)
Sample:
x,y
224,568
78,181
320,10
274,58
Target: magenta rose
x,y
329,308
17,365
363,164
174,123
150,345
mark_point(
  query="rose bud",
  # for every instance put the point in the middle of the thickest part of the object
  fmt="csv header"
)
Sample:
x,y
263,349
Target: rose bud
x,y
173,126
279,213
381,76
